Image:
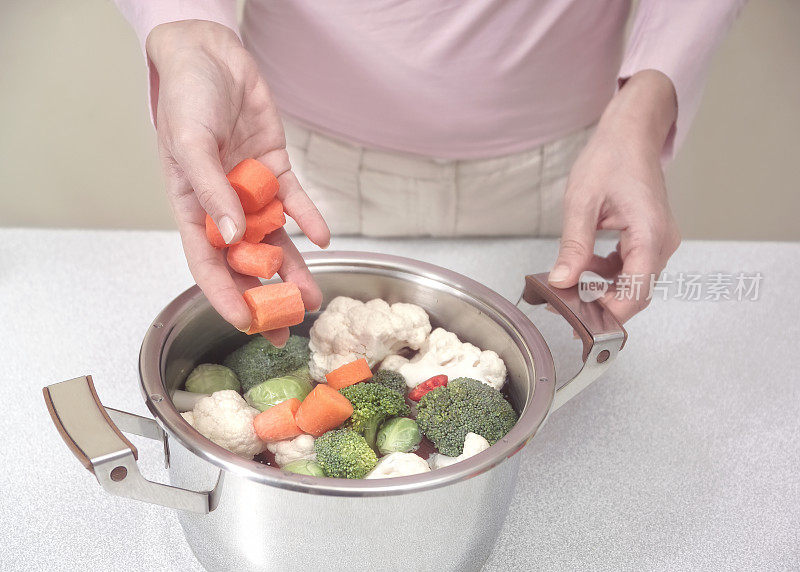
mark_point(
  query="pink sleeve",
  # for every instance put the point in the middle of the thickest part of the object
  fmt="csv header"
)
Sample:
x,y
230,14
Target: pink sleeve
x,y
678,38
144,15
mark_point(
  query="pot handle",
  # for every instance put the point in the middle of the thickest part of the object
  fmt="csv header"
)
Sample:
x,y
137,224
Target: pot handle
x,y
89,432
601,333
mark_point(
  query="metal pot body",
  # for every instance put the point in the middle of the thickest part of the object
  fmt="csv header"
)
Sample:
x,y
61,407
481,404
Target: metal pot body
x,y
259,527
238,514
255,526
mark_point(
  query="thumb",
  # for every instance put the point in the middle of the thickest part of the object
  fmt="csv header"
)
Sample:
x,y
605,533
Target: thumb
x,y
577,246
199,160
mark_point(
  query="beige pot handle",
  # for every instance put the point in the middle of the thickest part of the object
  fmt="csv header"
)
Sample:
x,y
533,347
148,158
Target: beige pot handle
x,y
601,333
89,432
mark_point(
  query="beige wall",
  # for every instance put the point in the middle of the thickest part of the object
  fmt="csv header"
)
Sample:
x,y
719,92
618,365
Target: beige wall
x,y
738,175
76,145
76,148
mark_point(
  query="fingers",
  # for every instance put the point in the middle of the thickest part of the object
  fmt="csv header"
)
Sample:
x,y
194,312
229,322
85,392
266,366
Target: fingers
x,y
294,270
302,209
212,274
577,242
197,168
295,201
277,337
642,260
606,266
198,156
644,250
242,281
222,286
207,264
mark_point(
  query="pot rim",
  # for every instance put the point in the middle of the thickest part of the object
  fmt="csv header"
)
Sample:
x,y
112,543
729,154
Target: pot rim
x,y
512,319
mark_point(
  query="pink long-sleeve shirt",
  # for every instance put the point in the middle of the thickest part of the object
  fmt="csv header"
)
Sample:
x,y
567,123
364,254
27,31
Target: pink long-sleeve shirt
x,y
460,78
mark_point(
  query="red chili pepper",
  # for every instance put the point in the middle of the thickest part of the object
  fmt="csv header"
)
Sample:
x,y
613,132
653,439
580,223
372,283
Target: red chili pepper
x,y
424,387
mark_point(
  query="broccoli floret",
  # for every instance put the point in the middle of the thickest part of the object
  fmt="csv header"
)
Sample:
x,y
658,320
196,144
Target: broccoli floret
x,y
391,379
372,405
258,360
465,405
344,454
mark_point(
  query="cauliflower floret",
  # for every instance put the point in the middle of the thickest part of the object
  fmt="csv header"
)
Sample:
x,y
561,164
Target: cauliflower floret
x,y
301,447
473,444
225,418
349,329
444,353
398,465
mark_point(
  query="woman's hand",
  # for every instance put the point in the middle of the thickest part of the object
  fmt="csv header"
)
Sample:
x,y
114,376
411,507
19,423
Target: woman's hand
x,y
617,183
214,110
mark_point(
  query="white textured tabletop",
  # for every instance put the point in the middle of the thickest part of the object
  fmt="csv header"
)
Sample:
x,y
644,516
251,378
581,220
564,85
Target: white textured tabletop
x,y
684,456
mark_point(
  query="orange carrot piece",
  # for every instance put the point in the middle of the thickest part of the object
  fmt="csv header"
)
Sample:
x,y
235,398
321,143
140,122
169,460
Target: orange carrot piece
x,y
260,259
322,410
254,183
262,222
277,423
274,306
349,374
257,225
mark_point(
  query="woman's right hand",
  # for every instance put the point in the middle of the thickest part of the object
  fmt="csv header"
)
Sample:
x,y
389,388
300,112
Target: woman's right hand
x,y
213,109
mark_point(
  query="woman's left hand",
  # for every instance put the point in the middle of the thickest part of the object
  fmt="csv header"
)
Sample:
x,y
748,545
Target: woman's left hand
x,y
617,183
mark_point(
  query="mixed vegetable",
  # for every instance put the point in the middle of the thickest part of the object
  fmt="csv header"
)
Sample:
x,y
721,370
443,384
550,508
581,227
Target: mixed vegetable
x,y
348,403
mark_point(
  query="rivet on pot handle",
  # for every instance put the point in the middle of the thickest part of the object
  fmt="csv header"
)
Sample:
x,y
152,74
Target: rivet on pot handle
x,y
100,446
602,334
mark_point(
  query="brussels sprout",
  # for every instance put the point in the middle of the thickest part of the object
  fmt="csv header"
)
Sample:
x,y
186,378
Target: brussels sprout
x,y
210,377
304,467
273,391
398,434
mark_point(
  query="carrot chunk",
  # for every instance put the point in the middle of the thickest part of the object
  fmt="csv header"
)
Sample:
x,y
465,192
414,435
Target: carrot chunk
x,y
254,183
259,259
322,410
349,374
274,306
264,221
257,225
277,423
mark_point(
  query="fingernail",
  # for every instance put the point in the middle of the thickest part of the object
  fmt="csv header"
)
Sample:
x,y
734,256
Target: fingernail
x,y
227,229
559,273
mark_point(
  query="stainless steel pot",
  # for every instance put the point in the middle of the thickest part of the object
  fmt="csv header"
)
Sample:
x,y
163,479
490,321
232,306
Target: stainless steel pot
x,y
241,515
